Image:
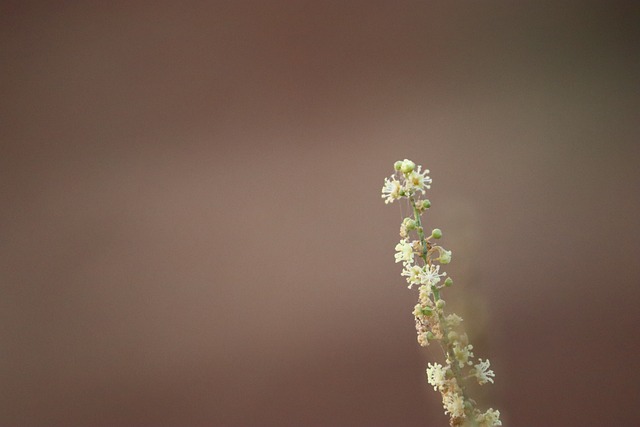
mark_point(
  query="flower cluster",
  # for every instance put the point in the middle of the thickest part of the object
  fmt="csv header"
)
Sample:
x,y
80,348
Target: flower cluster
x,y
421,259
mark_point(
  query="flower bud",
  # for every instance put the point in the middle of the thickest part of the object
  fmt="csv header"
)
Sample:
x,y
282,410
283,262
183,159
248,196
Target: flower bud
x,y
407,166
426,204
409,224
448,282
397,165
436,233
440,304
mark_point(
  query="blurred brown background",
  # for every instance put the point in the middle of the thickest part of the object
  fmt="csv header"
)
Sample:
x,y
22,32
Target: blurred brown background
x,y
191,228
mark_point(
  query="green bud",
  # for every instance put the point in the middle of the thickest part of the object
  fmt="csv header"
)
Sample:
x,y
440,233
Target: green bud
x,y
448,282
436,233
409,224
407,166
440,304
427,311
430,336
397,165
426,204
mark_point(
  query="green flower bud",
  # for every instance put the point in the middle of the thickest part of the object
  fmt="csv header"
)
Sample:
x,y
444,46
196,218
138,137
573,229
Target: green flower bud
x,y
397,165
409,224
440,304
426,204
448,282
436,233
407,166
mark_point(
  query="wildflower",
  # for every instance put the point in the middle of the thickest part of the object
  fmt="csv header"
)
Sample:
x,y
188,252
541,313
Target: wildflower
x,y
453,404
491,418
391,190
413,274
436,375
453,320
431,321
431,275
405,252
418,181
462,354
483,373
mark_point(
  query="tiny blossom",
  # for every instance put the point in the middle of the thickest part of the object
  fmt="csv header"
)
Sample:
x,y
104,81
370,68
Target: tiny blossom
x,y
436,375
491,418
483,373
405,252
418,181
453,320
391,190
431,275
462,354
413,274
453,404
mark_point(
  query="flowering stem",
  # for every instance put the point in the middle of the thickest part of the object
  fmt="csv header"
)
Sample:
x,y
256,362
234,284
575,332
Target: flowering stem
x,y
446,346
431,322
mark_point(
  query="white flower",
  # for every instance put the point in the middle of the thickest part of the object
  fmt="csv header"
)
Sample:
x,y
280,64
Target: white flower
x,y
418,181
453,404
483,373
453,320
462,354
391,190
413,274
491,418
431,275
436,375
405,252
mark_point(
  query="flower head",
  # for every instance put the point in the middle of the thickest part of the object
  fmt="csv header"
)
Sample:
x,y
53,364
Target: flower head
x,y
418,181
491,418
436,375
404,252
431,275
413,273
391,190
483,373
453,404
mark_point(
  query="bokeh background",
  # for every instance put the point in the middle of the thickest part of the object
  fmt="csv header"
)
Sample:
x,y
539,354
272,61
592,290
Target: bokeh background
x,y
191,228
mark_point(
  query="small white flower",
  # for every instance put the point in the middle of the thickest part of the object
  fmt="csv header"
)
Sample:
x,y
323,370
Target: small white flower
x,y
431,275
391,190
413,274
453,320
483,373
418,181
453,404
404,252
462,354
436,375
491,418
